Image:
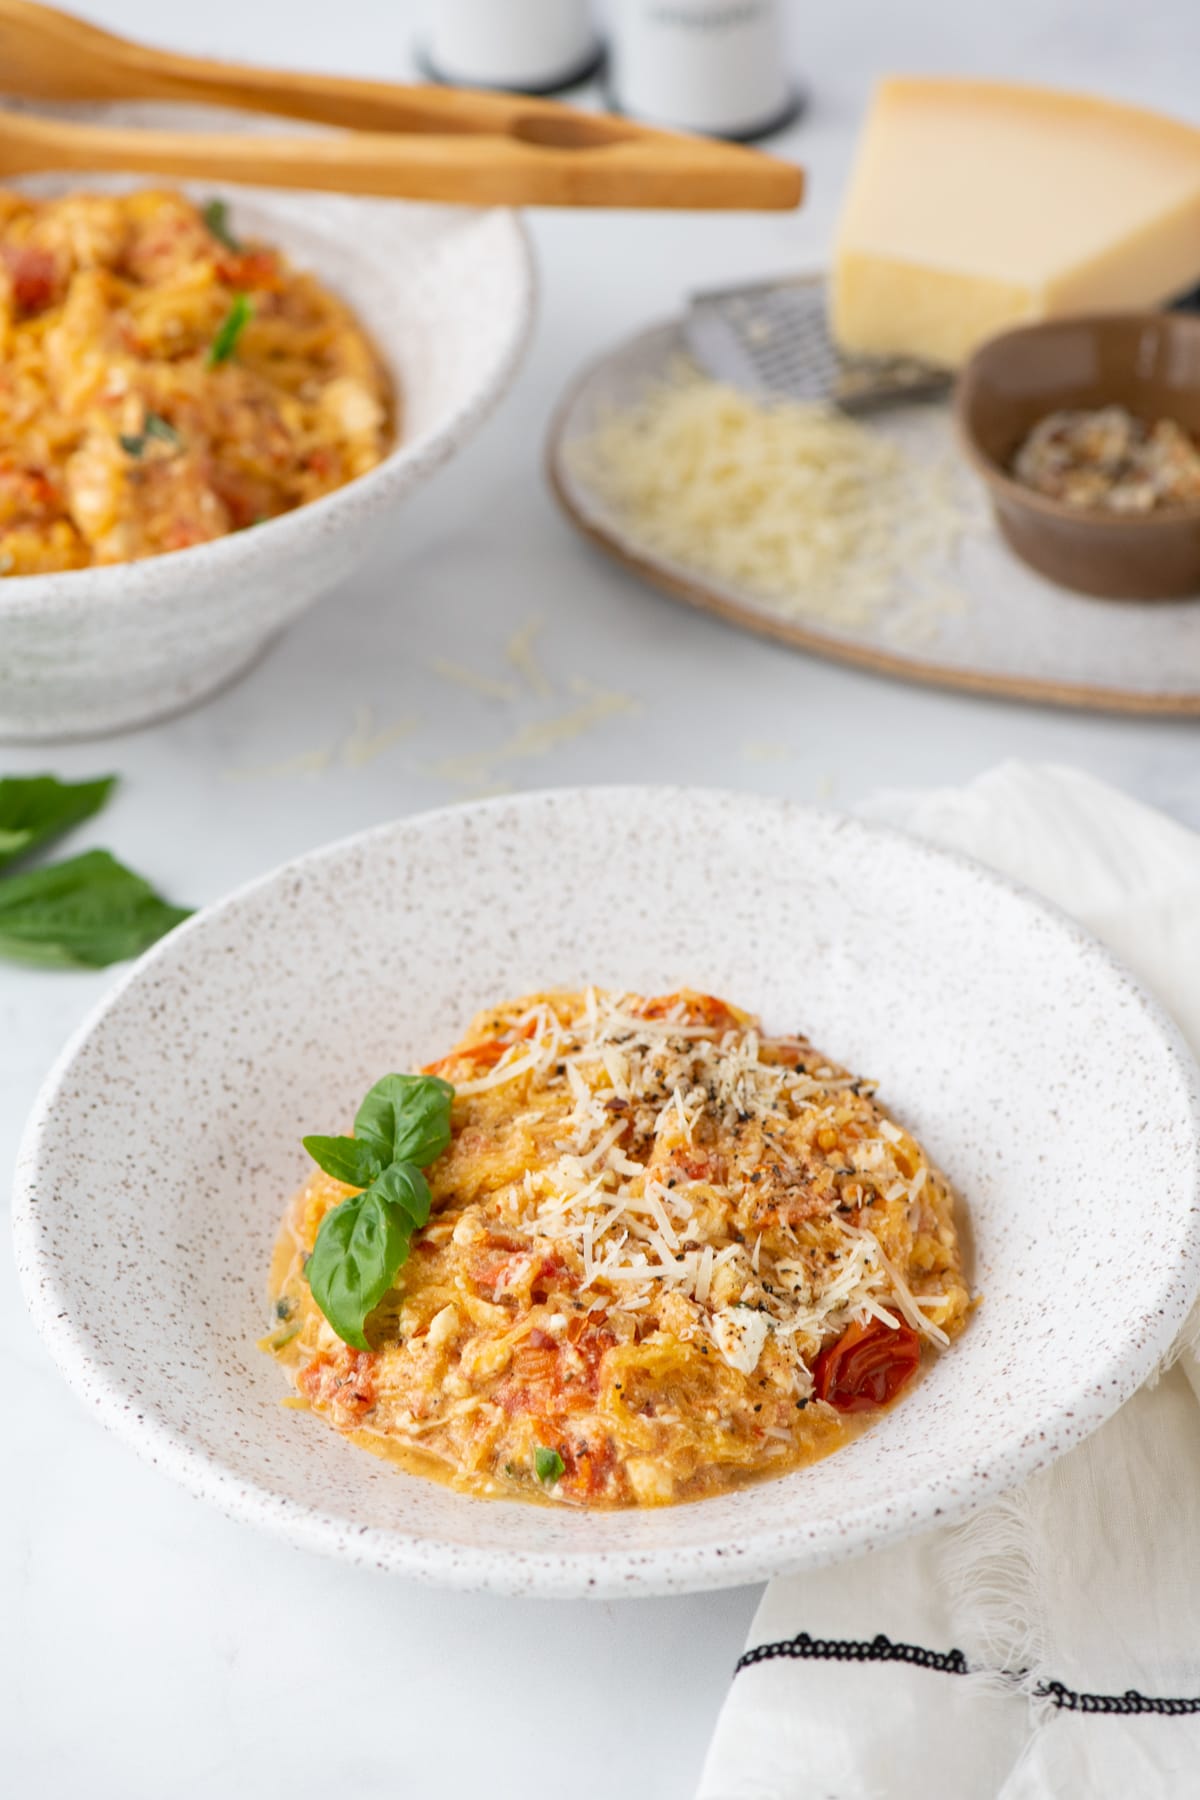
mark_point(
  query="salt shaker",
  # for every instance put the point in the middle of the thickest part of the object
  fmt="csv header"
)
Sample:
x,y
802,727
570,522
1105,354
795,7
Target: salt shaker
x,y
714,66
531,46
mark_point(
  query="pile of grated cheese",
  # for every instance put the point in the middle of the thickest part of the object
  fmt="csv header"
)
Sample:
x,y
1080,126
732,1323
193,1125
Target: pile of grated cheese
x,y
637,1236
817,515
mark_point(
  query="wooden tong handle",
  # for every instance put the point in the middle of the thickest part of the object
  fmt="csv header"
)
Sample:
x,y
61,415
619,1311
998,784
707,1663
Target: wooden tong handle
x,y
538,152
521,169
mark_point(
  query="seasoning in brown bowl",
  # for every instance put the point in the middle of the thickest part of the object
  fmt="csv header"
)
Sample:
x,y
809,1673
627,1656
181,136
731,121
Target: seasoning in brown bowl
x,y
1083,430
1107,458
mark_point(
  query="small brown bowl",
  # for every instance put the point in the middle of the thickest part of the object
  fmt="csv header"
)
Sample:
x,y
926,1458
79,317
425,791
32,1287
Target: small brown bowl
x,y
1146,362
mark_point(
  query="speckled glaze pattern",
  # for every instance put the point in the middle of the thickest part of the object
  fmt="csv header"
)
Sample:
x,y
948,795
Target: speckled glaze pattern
x,y
1051,1088
448,296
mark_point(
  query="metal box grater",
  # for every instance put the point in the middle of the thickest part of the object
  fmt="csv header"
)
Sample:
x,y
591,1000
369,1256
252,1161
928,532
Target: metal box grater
x,y
773,339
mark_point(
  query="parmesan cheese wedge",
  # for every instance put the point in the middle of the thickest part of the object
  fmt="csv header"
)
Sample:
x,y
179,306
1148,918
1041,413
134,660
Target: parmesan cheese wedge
x,y
975,205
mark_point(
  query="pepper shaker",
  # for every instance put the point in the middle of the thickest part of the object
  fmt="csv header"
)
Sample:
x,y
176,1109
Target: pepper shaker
x,y
713,66
529,46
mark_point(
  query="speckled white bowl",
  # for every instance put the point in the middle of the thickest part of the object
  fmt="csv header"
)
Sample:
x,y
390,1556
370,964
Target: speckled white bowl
x,y
1053,1090
448,295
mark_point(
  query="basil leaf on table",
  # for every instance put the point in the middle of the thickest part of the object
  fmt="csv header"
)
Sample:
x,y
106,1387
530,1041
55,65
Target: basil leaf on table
x,y
361,1245
84,913
36,808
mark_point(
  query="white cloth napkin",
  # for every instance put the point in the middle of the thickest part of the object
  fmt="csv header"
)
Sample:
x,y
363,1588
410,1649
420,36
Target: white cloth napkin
x,y
1074,1603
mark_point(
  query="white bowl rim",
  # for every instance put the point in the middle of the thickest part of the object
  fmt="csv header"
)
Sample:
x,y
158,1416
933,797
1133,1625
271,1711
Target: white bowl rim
x,y
591,1573
106,585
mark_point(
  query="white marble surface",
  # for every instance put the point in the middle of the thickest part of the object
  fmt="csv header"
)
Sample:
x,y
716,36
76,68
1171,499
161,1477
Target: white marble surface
x,y
146,1645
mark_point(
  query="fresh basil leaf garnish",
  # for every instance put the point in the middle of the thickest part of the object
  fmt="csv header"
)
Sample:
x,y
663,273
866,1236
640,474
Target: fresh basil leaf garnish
x,y
216,217
403,1123
153,426
36,808
359,1248
225,342
158,427
548,1465
406,1118
346,1159
84,913
404,1187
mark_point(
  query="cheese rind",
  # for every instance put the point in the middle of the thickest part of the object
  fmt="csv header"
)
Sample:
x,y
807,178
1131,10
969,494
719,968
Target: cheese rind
x,y
978,205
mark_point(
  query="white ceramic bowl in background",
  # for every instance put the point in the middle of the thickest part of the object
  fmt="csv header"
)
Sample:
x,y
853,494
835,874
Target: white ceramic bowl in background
x,y
447,294
1054,1092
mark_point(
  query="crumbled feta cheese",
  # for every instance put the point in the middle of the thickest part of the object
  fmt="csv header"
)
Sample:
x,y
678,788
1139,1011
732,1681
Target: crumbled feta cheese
x,y
739,1334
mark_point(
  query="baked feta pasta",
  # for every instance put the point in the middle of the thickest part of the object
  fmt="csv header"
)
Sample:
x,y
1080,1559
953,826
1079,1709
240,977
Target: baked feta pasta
x,y
164,382
662,1254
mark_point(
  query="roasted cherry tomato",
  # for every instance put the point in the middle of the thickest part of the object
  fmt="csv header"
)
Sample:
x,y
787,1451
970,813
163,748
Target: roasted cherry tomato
x,y
700,1009
35,277
867,1366
250,269
485,1054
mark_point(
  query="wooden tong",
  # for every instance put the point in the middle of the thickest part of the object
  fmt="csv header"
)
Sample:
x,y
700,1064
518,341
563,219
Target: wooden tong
x,y
419,143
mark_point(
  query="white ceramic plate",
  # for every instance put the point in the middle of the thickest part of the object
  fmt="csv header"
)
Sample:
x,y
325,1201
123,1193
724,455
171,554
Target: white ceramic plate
x,y
447,294
1054,1092
979,619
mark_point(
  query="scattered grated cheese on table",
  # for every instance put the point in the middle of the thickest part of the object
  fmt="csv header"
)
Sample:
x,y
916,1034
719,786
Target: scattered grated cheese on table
x,y
523,657
539,738
477,683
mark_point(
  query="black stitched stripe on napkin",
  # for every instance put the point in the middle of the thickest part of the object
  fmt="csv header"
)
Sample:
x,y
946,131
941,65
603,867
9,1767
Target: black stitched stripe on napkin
x,y
952,1662
880,1649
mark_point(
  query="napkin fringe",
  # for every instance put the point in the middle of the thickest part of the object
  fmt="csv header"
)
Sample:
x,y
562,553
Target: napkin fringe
x,y
990,1570
1186,1344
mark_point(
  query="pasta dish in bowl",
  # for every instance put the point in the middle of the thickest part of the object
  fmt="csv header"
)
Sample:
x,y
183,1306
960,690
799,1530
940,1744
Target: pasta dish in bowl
x,y
431,1303
165,383
210,411
663,1255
